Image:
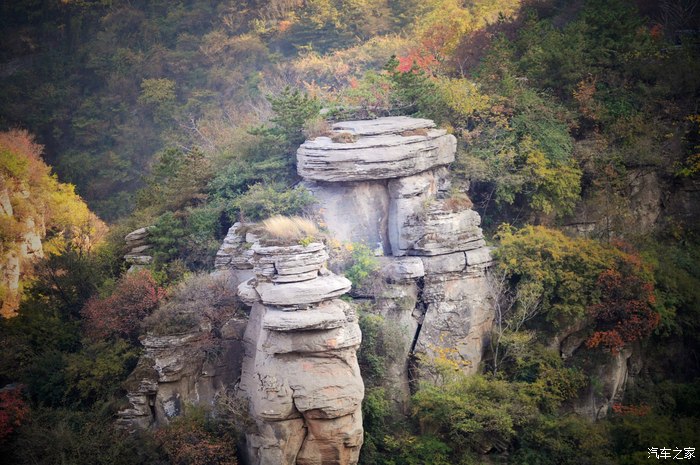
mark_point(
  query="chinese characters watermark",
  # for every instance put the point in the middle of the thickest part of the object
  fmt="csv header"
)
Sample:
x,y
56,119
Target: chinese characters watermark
x,y
664,453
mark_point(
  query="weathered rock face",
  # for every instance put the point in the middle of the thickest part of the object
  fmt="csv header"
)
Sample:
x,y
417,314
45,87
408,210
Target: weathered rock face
x,y
300,373
15,259
388,187
175,371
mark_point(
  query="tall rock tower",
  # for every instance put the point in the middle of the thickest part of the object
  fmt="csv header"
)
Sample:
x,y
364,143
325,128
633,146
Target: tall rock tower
x,y
385,183
300,373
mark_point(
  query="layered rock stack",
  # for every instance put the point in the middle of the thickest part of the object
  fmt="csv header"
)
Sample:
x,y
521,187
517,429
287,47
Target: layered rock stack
x,y
138,245
300,372
385,183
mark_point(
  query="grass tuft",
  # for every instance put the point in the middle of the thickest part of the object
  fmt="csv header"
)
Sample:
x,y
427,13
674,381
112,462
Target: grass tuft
x,y
289,228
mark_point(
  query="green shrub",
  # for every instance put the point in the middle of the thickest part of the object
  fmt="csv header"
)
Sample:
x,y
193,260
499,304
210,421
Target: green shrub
x,y
263,201
362,265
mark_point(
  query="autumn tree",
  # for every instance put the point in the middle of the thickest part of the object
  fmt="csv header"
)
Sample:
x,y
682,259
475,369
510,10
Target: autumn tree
x,y
13,411
121,314
625,312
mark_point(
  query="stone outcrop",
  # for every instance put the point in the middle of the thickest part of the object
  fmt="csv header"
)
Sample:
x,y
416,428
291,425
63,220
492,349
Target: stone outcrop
x,y
138,247
175,370
300,372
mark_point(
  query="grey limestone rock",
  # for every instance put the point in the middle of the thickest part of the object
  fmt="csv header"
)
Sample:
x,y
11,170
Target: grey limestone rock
x,y
438,231
138,244
327,315
400,269
304,293
379,126
138,234
354,211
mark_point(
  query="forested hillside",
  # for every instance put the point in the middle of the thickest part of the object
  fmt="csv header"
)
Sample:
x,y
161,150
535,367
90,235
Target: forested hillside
x,y
578,142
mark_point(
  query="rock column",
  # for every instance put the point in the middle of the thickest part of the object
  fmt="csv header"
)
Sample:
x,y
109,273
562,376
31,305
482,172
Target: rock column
x,y
300,372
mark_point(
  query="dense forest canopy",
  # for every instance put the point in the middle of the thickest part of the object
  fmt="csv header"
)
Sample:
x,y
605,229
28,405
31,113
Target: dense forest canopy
x,y
578,132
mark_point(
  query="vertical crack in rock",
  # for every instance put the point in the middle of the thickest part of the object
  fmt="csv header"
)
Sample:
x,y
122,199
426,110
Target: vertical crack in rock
x,y
419,314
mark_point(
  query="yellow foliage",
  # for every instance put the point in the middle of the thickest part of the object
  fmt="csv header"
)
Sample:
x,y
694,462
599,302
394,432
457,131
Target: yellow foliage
x,y
36,203
442,28
463,96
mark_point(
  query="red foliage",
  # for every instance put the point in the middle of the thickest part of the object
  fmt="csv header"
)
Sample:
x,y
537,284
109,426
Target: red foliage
x,y
631,410
121,314
625,312
417,60
13,411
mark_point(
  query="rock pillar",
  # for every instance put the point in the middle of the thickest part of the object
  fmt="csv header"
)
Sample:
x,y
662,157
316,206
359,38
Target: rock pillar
x,y
300,372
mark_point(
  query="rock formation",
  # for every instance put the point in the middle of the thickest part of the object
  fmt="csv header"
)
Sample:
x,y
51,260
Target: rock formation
x,y
300,373
193,366
138,245
390,178
387,187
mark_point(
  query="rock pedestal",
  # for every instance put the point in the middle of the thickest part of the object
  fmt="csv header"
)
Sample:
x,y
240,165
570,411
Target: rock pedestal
x,y
300,373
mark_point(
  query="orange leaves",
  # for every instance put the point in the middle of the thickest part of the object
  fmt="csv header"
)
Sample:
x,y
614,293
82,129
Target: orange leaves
x,y
631,410
417,59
